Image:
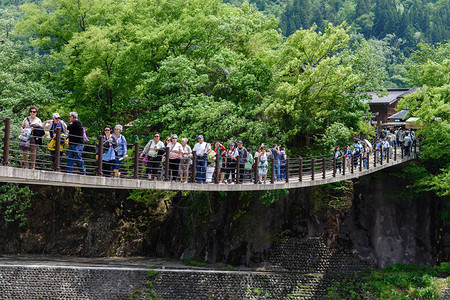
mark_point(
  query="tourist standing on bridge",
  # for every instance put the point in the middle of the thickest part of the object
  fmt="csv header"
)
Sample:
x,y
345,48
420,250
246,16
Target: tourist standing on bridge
x,y
221,151
232,154
186,156
407,144
400,137
243,158
249,164
28,124
152,154
109,152
283,158
76,144
263,164
385,145
175,154
348,158
276,158
365,154
201,149
338,156
55,123
121,150
356,153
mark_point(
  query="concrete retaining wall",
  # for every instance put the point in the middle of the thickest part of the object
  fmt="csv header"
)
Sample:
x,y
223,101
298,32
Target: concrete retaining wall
x,y
37,282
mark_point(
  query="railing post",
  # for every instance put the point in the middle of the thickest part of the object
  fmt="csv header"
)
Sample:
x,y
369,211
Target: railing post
x,y
352,163
334,166
217,170
395,152
374,158
272,172
415,146
324,162
312,168
343,165
401,146
136,161
238,170
381,152
361,158
286,170
368,160
100,156
388,153
194,165
56,166
167,164
6,139
300,169
255,169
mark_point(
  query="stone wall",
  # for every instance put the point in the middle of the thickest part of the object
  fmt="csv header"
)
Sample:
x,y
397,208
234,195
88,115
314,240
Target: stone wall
x,y
21,282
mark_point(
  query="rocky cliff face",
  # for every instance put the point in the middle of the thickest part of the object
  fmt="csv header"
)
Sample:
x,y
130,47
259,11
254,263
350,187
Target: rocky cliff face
x,y
375,220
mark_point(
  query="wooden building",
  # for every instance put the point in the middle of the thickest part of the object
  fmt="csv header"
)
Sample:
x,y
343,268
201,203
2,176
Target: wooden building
x,y
383,105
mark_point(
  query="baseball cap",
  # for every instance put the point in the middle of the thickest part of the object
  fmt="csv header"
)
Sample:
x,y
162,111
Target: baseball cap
x,y
200,136
56,116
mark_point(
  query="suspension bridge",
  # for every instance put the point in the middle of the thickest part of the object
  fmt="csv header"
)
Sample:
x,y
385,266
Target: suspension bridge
x,y
298,172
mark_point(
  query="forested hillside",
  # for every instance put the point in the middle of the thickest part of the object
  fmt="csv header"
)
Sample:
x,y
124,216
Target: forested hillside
x,y
410,20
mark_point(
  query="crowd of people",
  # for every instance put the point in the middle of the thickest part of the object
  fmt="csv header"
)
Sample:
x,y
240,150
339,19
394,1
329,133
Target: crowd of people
x,y
383,147
212,159
207,156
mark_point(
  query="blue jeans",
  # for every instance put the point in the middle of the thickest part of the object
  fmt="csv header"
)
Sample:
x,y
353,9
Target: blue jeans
x,y
201,169
283,171
75,154
277,170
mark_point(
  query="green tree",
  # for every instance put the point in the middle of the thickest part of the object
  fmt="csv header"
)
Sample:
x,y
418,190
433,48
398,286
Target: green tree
x,y
429,68
314,88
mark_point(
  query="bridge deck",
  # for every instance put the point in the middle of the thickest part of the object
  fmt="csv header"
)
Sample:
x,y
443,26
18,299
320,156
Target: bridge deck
x,y
41,177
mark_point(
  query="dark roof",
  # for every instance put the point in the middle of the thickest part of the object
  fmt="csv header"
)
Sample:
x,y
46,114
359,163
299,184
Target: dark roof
x,y
401,115
392,96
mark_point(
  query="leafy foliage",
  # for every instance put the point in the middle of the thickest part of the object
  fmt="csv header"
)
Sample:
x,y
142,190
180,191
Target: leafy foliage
x,y
14,201
393,282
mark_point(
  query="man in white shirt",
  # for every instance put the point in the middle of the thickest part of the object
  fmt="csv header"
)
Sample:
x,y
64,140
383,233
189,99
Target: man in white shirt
x,y
201,149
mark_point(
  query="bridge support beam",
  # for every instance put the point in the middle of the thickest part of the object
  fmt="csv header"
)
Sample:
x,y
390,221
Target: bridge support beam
x,y
324,163
194,165
100,156
6,139
286,172
217,168
56,165
255,169
272,171
136,161
300,169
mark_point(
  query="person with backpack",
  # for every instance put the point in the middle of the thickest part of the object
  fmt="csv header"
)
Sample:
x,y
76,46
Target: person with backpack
x,y
28,139
348,157
356,153
55,123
